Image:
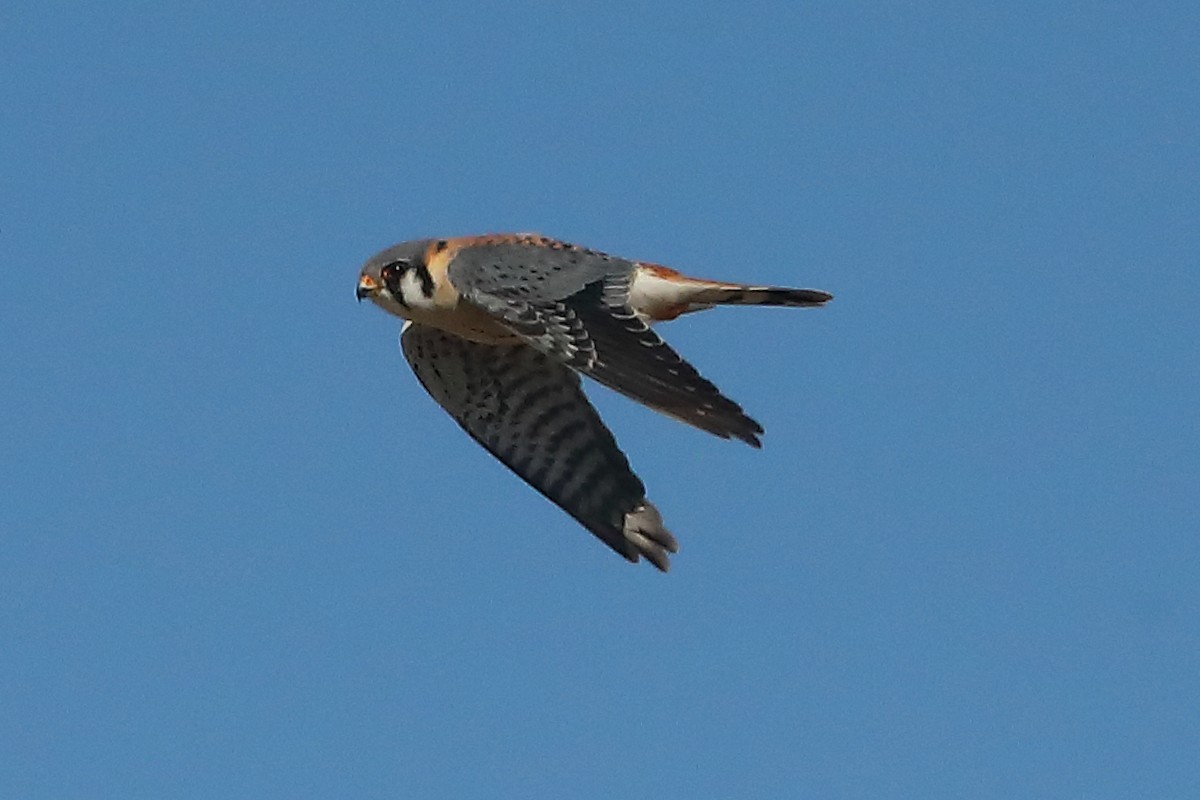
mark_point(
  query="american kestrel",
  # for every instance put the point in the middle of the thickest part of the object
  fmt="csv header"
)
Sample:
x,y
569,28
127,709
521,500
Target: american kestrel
x,y
498,328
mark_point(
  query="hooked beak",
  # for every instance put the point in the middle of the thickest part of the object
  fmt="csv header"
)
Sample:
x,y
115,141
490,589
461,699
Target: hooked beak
x,y
367,287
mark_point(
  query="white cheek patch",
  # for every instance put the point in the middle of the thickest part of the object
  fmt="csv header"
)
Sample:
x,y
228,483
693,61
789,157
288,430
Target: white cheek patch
x,y
413,292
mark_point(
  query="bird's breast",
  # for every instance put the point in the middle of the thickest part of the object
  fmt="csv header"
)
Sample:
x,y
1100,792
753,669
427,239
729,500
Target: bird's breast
x,y
460,319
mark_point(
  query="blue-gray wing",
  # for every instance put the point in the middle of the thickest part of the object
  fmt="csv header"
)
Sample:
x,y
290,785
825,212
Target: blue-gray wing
x,y
573,305
529,411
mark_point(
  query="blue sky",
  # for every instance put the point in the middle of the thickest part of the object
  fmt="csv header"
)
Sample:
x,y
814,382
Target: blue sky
x,y
244,555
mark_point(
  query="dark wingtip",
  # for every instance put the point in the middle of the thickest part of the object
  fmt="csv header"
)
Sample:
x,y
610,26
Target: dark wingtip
x,y
750,432
749,436
809,297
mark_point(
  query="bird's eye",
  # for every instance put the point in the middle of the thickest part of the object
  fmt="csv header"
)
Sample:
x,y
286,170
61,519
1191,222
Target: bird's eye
x,y
392,272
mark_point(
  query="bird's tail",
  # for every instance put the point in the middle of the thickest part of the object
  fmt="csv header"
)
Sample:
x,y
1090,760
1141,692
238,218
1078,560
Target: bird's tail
x,y
736,294
660,294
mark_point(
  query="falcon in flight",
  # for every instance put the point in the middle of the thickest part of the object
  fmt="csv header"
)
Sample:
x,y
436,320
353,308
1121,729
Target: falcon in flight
x,y
498,329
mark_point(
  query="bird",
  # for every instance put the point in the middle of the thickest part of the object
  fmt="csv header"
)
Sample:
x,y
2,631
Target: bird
x,y
499,328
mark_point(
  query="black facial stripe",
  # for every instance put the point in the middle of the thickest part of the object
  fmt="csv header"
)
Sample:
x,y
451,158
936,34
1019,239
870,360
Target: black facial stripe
x,y
393,273
425,278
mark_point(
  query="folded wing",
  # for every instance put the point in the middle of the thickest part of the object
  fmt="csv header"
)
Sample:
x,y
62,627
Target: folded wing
x,y
573,305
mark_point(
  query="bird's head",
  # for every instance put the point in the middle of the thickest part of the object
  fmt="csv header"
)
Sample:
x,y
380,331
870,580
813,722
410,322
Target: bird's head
x,y
380,280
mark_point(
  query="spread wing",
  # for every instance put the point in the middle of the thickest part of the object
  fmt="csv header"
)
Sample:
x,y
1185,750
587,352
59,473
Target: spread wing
x,y
573,305
529,411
